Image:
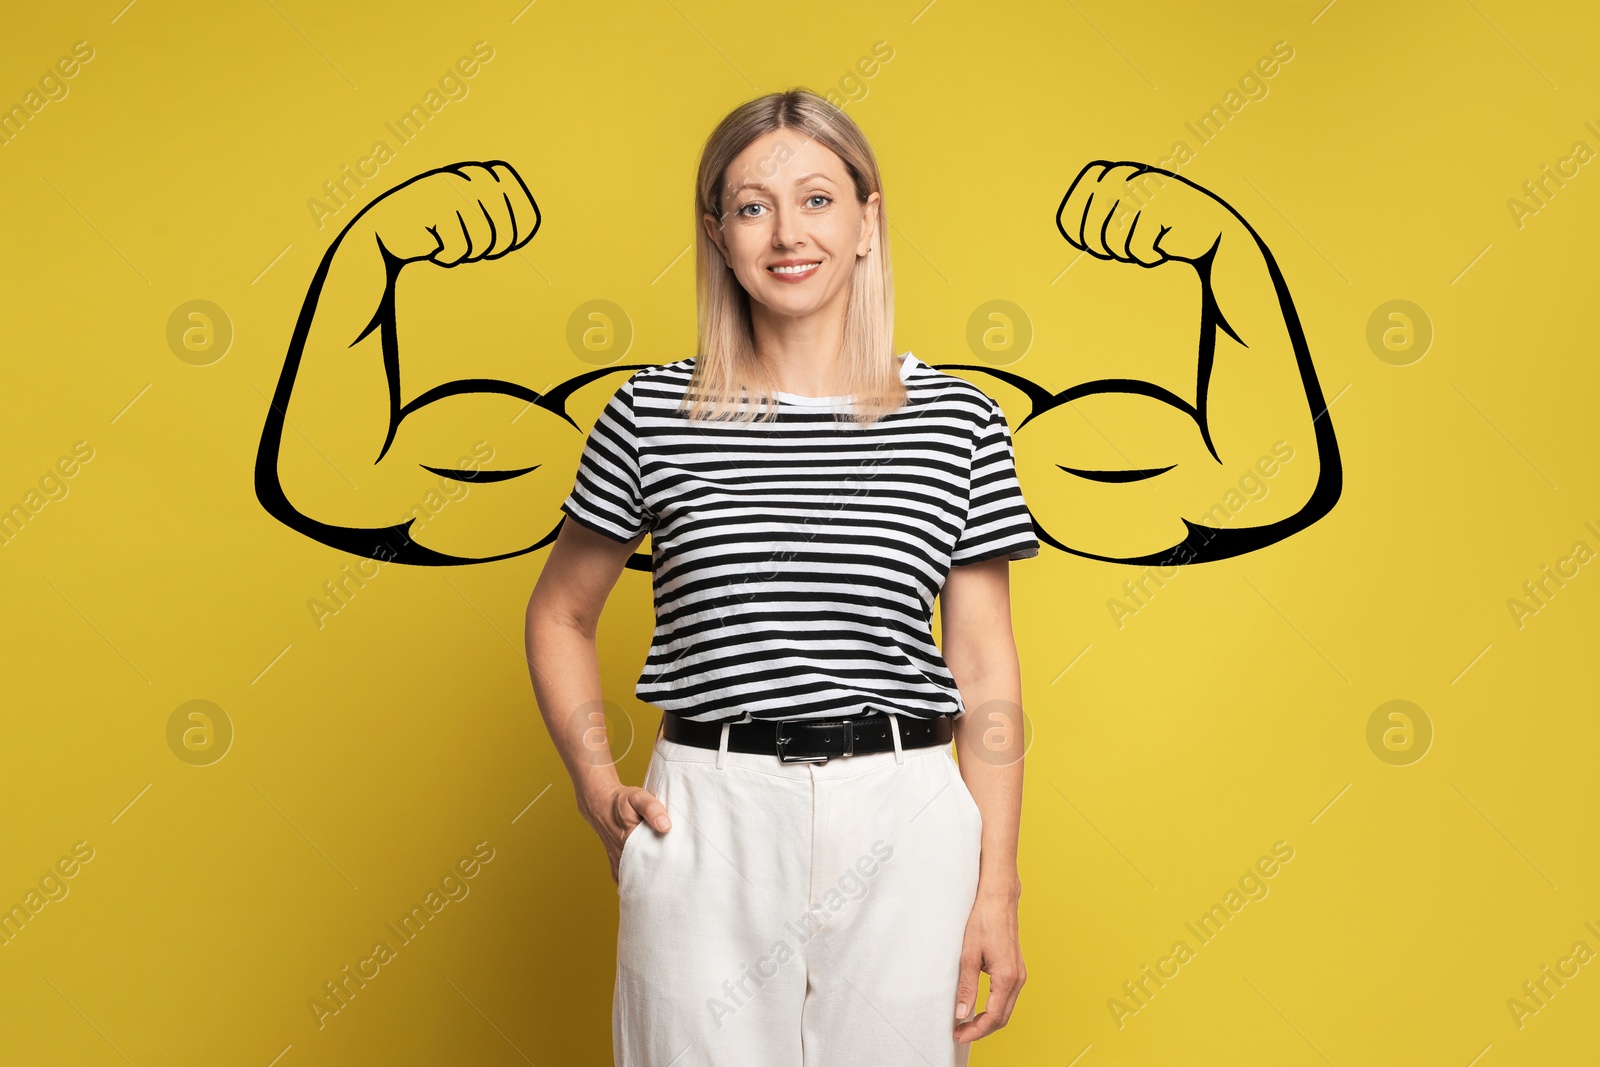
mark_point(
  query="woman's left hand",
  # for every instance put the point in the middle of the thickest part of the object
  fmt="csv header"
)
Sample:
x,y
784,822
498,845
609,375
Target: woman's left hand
x,y
990,945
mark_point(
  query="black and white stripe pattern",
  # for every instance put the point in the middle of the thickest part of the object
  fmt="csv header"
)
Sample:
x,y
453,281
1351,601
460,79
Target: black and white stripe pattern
x,y
796,562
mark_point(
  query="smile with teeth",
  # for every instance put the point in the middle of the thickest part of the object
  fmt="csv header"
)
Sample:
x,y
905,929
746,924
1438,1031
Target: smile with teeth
x,y
797,269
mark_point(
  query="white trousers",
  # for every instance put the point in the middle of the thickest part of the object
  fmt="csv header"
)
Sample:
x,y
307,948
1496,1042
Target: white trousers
x,y
796,914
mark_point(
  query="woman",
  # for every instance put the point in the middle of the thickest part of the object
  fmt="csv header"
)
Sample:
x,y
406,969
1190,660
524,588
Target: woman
x,y
806,876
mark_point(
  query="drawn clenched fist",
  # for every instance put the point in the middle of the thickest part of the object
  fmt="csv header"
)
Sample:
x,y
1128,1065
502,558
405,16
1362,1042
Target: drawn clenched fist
x,y
456,214
1140,214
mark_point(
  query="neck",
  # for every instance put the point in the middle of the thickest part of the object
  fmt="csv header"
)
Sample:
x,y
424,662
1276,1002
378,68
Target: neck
x,y
802,353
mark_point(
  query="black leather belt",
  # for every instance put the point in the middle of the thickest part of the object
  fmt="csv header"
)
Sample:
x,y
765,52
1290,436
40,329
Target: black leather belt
x,y
810,740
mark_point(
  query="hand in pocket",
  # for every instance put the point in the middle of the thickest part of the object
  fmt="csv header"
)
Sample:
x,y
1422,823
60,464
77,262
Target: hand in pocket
x,y
617,817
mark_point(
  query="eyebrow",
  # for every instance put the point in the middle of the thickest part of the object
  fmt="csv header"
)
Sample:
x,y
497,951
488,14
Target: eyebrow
x,y
760,185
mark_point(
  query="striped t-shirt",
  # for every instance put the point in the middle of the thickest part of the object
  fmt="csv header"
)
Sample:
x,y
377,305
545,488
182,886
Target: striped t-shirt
x,y
796,561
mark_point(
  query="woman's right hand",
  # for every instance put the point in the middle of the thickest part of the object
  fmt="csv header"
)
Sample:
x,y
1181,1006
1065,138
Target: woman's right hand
x,y
614,815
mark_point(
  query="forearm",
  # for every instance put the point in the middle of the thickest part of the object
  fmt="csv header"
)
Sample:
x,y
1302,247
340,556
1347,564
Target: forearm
x,y
345,298
1248,292
989,745
1257,391
338,383
564,664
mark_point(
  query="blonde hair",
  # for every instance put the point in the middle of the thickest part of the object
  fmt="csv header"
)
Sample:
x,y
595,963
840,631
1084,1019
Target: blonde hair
x,y
727,368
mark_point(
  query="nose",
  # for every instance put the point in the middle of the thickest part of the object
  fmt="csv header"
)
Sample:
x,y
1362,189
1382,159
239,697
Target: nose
x,y
786,226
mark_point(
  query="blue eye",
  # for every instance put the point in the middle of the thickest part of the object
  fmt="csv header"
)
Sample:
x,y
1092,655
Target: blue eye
x,y
814,196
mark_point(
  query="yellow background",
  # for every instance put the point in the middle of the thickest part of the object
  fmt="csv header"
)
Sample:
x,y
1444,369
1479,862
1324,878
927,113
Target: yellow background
x,y
1229,713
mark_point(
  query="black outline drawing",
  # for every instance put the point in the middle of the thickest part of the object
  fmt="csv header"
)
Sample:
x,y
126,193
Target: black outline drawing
x,y
1201,544
394,543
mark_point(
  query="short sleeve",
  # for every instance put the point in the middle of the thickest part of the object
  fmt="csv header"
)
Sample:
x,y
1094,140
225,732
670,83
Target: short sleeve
x,y
998,523
607,495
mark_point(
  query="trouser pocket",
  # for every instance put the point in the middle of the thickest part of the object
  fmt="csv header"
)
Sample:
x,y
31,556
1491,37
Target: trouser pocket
x,y
638,837
959,783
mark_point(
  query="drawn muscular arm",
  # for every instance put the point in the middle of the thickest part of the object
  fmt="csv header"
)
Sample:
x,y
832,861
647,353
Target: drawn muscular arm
x,y
343,365
1255,385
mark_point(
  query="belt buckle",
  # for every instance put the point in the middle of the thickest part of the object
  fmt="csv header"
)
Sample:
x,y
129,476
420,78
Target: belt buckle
x,y
783,743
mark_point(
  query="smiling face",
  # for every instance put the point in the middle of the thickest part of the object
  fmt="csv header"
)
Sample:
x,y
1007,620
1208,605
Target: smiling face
x,y
792,228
